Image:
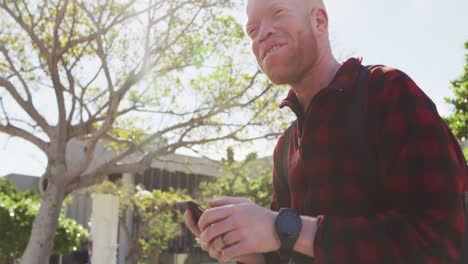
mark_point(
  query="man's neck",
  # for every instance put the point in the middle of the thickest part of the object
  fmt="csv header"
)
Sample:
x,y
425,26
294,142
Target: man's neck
x,y
317,78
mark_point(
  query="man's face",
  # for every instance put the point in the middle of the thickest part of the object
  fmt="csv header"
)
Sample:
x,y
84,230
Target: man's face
x,y
282,36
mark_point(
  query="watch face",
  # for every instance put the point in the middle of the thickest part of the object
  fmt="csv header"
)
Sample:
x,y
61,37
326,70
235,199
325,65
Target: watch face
x,y
289,223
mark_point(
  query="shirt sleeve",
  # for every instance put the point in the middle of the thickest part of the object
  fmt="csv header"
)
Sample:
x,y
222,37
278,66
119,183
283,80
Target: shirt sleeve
x,y
421,171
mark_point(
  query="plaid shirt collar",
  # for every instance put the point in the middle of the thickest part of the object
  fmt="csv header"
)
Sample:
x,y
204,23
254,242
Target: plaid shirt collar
x,y
343,81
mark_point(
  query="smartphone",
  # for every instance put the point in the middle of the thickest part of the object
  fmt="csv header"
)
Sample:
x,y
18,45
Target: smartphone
x,y
195,208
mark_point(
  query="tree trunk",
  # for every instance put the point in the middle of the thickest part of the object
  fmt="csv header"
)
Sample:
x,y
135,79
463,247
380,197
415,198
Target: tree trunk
x,y
133,253
41,242
155,256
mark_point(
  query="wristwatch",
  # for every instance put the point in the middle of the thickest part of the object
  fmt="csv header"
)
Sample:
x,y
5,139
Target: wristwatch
x,y
288,226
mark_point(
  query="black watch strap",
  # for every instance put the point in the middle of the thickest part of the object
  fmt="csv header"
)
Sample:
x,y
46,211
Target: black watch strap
x,y
288,226
285,256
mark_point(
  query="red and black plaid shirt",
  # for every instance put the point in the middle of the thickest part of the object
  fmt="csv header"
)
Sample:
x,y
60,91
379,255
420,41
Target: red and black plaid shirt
x,y
415,212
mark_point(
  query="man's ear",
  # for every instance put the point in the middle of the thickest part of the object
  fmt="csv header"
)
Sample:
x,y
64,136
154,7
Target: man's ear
x,y
319,20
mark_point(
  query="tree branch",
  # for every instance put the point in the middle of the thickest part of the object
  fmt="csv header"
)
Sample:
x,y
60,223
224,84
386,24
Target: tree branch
x,y
58,21
27,106
18,132
19,19
4,112
15,71
119,18
71,90
87,128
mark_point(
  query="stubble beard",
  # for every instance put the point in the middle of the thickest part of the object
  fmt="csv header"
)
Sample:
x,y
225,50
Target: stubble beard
x,y
291,71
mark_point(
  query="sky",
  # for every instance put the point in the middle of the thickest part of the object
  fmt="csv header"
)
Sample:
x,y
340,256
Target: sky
x,y
424,38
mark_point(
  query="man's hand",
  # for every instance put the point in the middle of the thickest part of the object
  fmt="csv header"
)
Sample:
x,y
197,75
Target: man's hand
x,y
235,228
215,251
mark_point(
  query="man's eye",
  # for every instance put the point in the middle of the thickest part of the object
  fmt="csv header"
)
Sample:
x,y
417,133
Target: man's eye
x,y
278,12
251,32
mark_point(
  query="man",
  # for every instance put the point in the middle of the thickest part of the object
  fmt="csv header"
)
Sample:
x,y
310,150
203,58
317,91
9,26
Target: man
x,y
411,213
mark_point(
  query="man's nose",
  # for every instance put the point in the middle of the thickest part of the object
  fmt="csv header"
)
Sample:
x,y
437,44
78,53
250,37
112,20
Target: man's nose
x,y
266,31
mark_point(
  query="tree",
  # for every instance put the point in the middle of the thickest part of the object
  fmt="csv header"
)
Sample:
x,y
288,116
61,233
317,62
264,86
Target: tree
x,y
154,216
145,77
458,121
17,211
250,178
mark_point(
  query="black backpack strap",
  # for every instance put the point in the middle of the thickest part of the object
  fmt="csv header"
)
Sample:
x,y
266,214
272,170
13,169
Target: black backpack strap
x,y
284,167
358,137
356,124
464,250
